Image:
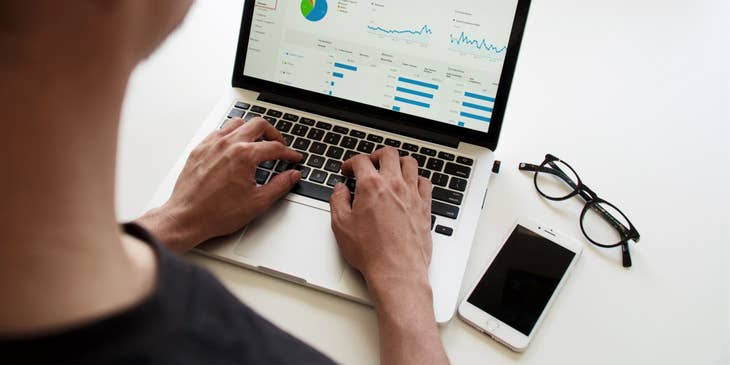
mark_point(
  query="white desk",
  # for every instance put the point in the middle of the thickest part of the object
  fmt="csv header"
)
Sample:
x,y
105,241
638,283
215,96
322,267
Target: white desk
x,y
634,95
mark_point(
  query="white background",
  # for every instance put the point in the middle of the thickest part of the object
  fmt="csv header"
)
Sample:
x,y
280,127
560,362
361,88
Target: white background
x,y
634,94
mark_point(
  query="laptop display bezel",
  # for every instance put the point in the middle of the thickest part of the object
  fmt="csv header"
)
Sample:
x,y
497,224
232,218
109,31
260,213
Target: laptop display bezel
x,y
488,140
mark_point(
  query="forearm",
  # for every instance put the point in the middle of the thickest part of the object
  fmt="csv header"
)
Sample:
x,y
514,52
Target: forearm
x,y
408,330
175,234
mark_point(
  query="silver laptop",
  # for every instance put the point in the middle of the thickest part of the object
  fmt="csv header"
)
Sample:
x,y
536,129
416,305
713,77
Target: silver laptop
x,y
430,78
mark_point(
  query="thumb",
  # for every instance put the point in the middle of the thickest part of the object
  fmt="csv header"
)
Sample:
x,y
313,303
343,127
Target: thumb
x,y
340,203
279,186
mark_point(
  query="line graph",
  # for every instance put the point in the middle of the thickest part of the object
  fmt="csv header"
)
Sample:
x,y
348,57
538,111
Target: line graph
x,y
478,47
422,35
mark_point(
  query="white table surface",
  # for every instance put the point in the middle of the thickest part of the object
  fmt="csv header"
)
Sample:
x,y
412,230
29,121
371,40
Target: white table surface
x,y
635,95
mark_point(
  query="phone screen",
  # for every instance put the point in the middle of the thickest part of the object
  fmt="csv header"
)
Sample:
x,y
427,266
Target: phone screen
x,y
522,278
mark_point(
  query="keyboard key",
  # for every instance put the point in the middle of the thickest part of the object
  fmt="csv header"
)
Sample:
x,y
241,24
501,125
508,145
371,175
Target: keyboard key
x,y
351,184
307,121
457,170
403,153
365,147
242,105
315,134
261,176
301,144
258,109
288,139
421,159
267,164
313,191
349,154
434,164
324,125
425,173
410,147
457,184
274,113
299,130
290,117
283,166
433,220
283,126
250,116
235,113
318,176
444,210
333,165
349,142
316,161
318,148
447,195
375,138
334,179
392,143
335,152
304,170
339,129
446,156
439,179
271,120
427,151
446,231
304,157
332,138
380,146
464,160
357,134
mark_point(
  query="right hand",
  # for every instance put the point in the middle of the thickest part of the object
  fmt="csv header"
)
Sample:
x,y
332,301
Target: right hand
x,y
386,232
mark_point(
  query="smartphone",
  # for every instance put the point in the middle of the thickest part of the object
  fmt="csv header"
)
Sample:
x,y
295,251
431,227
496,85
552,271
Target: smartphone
x,y
520,283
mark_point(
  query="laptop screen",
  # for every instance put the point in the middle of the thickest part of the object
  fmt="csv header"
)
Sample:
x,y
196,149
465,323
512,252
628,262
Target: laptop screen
x,y
439,60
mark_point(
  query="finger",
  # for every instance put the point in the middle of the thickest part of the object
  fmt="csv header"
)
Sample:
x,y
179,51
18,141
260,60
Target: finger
x,y
358,166
273,150
340,203
230,126
388,160
424,189
278,187
409,169
258,128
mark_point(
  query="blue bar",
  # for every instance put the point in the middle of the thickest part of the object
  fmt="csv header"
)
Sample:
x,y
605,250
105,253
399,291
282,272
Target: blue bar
x,y
474,116
419,83
461,124
414,92
330,92
480,97
412,102
346,67
332,83
470,105
337,75
396,108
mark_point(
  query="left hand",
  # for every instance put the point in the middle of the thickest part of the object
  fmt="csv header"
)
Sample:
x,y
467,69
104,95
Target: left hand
x,y
216,193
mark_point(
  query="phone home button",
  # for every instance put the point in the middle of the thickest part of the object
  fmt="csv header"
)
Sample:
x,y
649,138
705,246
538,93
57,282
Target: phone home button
x,y
492,325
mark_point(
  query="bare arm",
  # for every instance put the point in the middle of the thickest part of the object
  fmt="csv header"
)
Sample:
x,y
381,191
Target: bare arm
x,y
386,234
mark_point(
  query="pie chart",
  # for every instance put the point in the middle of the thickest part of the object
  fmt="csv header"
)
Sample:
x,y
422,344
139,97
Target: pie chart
x,y
314,10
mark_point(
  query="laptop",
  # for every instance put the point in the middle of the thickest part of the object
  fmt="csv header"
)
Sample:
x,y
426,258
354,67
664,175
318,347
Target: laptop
x,y
340,78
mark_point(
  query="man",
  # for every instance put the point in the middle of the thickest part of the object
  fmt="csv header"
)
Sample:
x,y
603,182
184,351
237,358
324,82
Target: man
x,y
77,289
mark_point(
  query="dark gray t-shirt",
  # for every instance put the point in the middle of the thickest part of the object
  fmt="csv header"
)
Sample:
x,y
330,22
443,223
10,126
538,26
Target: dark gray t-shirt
x,y
189,319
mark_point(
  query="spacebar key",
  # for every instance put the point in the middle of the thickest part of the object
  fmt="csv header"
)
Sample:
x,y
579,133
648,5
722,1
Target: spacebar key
x,y
313,191
444,210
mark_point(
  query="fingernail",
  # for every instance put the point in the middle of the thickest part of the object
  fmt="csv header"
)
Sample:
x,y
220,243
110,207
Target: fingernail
x,y
296,176
339,186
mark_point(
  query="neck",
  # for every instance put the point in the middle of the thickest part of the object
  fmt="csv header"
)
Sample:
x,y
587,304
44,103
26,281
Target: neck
x,y
58,228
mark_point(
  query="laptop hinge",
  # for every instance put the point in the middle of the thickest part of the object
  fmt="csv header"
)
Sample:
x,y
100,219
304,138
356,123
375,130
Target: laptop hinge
x,y
359,118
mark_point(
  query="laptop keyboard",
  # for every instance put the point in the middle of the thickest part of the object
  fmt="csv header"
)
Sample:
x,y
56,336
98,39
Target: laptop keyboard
x,y
325,146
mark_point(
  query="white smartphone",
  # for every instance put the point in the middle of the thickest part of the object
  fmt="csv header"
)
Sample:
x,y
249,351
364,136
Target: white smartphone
x,y
520,283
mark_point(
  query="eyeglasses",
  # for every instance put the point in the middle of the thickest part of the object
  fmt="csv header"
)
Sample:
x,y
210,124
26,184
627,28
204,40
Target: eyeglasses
x,y
602,223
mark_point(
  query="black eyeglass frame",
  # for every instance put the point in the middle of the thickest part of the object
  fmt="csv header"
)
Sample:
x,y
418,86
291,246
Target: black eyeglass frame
x,y
593,201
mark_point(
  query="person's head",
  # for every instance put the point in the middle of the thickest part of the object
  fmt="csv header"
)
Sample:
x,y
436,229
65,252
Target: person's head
x,y
80,32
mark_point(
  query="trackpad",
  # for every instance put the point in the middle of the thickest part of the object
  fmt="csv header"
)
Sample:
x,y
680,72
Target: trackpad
x,y
297,240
